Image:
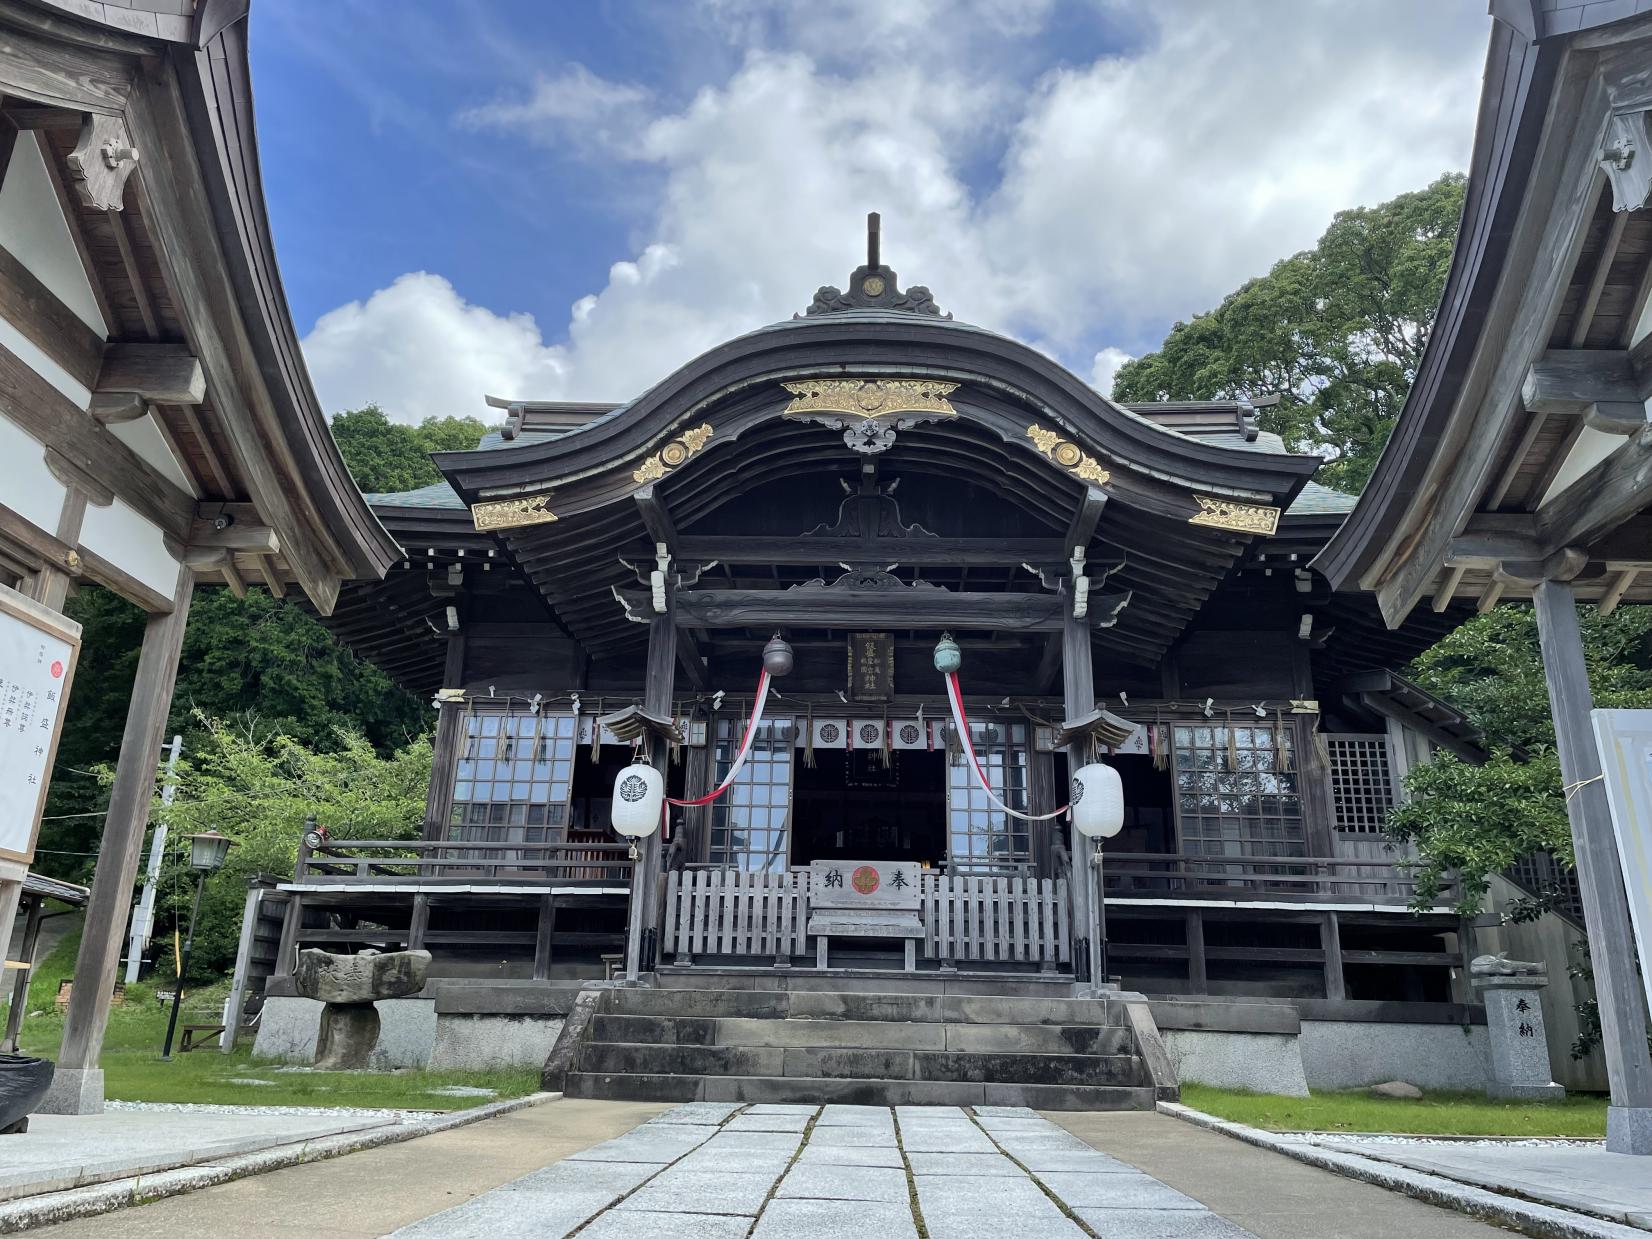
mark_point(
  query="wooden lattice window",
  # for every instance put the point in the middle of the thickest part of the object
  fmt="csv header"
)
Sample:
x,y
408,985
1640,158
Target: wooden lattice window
x,y
514,777
750,822
1237,794
1362,782
983,838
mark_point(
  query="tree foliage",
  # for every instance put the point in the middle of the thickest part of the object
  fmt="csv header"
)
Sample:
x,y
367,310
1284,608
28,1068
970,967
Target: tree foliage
x,y
1479,820
257,788
1336,331
387,456
266,666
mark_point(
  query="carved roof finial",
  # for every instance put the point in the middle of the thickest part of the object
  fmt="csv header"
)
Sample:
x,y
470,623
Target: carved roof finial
x,y
874,286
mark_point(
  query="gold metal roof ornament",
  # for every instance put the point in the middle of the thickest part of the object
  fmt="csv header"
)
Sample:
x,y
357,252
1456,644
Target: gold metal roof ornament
x,y
869,398
1231,514
511,513
673,455
1068,455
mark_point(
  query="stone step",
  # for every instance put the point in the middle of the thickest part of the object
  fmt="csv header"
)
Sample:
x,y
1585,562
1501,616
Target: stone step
x,y
1081,1070
865,1034
827,1005
816,1090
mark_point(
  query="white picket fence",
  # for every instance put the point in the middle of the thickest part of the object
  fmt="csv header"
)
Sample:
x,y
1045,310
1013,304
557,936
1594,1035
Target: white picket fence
x,y
988,919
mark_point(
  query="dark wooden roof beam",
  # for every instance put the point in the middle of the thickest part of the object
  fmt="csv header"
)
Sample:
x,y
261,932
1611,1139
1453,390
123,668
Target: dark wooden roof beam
x,y
1598,385
164,373
889,608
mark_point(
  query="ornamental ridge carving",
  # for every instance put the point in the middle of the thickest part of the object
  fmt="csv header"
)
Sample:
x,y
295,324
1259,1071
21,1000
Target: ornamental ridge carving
x,y
511,513
869,398
1230,514
673,455
1068,455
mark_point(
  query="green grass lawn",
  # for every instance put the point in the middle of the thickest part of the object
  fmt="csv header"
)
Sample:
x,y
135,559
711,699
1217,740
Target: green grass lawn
x,y
1436,1114
134,1071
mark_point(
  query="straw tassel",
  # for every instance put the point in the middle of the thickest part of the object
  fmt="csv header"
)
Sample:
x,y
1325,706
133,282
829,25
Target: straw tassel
x,y
888,739
809,740
1233,744
596,733
1281,742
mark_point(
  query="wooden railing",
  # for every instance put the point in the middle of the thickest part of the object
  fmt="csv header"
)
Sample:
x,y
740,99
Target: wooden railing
x,y
998,919
437,861
1262,877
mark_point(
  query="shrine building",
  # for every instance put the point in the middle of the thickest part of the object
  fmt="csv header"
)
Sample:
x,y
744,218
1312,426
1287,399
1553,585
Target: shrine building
x,y
598,585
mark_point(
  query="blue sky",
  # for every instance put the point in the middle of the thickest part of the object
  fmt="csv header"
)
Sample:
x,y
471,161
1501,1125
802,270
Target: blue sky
x,y
568,200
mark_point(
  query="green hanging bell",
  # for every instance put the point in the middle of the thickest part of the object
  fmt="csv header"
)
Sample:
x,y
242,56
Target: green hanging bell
x,y
948,657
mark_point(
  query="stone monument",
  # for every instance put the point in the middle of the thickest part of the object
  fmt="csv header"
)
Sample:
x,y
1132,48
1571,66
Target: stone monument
x,y
1511,990
350,985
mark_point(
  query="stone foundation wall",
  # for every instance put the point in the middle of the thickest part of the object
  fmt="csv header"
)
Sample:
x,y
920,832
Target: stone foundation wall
x,y
1349,1054
481,1042
1255,1062
412,1034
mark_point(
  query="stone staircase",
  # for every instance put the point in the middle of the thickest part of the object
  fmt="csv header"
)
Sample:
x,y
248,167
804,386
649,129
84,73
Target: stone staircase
x,y
860,1047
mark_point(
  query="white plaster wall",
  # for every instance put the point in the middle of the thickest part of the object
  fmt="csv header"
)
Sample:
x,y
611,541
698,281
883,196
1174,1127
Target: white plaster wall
x,y
483,1042
1592,447
288,1027
27,487
132,543
1343,1054
32,227
36,359
144,437
1256,1062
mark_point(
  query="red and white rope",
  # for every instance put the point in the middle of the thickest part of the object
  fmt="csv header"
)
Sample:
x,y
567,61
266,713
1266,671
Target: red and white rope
x,y
960,720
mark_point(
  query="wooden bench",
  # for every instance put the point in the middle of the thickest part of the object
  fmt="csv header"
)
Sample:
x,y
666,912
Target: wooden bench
x,y
864,899
196,1036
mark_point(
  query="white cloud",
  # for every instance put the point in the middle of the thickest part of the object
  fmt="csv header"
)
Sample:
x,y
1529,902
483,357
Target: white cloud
x,y
1136,189
420,350
1104,368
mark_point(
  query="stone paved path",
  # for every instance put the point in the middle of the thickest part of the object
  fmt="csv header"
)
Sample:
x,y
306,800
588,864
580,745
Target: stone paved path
x,y
711,1171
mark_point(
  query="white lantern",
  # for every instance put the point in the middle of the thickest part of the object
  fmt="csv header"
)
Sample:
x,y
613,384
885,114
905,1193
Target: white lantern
x,y
1097,801
639,800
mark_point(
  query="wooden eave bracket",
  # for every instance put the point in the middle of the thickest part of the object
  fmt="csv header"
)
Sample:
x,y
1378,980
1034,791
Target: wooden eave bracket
x,y
1599,385
634,722
1101,724
162,373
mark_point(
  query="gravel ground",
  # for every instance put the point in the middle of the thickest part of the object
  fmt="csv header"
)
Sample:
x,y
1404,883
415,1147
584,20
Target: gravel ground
x,y
177,1107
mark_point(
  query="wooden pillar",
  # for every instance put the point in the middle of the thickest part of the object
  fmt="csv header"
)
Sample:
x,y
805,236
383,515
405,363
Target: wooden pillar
x,y
1600,879
20,981
1079,688
1330,941
450,740
78,1088
658,683
543,938
418,922
1198,979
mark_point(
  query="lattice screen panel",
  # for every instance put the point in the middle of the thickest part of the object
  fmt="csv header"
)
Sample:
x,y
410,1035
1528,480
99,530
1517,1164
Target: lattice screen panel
x,y
1362,786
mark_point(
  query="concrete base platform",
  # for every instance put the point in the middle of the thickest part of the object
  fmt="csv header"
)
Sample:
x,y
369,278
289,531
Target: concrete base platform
x,y
1629,1129
62,1151
74,1092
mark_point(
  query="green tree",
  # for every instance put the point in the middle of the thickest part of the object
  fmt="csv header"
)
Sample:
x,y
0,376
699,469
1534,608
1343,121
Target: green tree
x,y
386,456
257,788
1476,821
1337,332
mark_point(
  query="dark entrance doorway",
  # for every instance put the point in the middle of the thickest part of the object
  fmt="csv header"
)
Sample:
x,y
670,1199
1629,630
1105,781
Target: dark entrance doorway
x,y
852,806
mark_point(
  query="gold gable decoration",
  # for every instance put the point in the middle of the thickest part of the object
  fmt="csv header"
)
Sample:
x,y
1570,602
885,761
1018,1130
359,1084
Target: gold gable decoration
x,y
870,398
511,513
1068,455
1230,514
673,455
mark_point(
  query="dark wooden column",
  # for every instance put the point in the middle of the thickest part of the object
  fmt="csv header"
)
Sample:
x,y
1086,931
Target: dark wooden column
x,y
78,1088
1198,978
1330,941
418,922
543,939
450,738
659,680
1605,905
1079,685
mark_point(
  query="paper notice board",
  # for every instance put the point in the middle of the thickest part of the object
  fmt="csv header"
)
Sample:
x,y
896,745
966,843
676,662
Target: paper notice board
x,y
38,648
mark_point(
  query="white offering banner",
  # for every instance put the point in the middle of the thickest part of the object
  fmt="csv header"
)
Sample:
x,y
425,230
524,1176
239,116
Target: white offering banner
x,y
37,662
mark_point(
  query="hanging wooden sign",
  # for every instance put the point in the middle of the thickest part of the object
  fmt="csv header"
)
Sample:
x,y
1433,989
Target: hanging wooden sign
x,y
38,648
871,666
